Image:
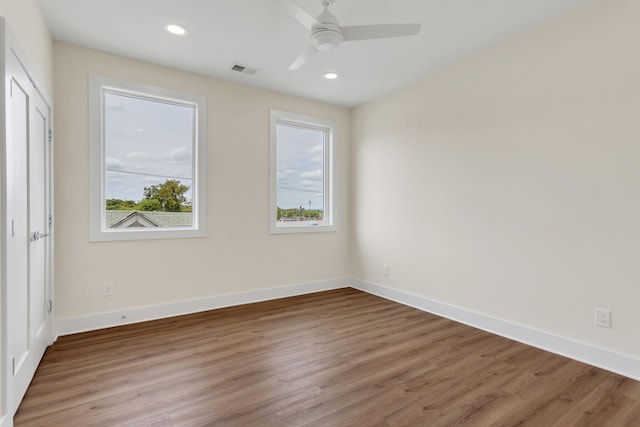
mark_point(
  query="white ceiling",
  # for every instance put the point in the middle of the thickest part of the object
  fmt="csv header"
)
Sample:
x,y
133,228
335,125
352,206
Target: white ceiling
x,y
260,34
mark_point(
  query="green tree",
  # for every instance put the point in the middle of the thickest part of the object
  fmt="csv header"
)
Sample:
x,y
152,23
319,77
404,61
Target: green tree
x,y
149,205
120,205
170,195
299,214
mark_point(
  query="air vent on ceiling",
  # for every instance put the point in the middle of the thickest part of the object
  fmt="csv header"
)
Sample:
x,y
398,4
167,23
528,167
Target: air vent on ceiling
x,y
245,69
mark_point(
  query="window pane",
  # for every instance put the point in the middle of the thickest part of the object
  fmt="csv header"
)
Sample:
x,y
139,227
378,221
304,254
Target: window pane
x,y
148,156
301,194
301,176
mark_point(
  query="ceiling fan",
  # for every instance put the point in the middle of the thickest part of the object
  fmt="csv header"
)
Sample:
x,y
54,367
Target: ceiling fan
x,y
327,34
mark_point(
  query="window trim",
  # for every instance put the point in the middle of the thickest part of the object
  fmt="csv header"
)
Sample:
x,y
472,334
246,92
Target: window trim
x,y
97,216
285,117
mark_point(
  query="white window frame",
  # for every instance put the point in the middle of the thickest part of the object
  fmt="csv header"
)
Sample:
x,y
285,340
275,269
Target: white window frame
x,y
97,216
329,127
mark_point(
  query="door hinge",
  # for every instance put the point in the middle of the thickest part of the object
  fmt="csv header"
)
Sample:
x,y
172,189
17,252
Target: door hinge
x,y
50,220
13,366
50,135
50,306
13,231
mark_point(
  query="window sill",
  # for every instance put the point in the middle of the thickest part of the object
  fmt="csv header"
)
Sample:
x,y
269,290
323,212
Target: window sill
x,y
128,234
306,228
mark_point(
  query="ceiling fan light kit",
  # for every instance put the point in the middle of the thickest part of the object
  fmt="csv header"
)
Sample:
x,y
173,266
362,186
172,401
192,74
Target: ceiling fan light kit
x,y
327,34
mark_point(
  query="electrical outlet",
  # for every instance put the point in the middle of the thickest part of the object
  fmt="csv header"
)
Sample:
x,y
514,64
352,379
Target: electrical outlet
x,y
107,289
385,269
602,317
304,267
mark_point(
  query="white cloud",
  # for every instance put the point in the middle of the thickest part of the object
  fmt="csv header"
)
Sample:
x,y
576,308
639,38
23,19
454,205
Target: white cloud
x,y
317,149
285,172
113,163
309,185
177,154
315,175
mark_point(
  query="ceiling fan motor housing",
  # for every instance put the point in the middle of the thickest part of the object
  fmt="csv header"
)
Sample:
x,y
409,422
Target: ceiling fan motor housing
x,y
326,35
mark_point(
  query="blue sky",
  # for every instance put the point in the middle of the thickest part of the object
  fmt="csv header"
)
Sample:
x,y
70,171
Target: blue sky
x,y
300,167
146,143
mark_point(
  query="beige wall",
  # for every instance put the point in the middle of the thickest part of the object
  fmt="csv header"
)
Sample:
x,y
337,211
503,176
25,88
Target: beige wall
x,y
509,184
25,19
238,254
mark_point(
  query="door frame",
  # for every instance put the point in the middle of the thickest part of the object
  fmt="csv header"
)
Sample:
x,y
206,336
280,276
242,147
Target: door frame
x,y
9,46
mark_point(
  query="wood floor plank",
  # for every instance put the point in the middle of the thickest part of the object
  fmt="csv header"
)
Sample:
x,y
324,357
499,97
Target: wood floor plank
x,y
336,358
611,409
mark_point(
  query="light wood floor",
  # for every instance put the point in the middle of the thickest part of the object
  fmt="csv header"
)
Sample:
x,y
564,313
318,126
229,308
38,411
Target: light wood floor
x,y
335,358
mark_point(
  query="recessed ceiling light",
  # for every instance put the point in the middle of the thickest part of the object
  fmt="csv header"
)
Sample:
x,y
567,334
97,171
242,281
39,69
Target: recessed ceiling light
x,y
175,29
330,76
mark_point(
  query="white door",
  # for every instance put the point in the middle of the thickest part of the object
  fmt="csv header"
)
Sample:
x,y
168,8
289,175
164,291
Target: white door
x,y
39,229
28,242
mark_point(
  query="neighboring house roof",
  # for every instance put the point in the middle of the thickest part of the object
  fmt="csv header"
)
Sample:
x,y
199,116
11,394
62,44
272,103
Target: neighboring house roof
x,y
129,219
134,219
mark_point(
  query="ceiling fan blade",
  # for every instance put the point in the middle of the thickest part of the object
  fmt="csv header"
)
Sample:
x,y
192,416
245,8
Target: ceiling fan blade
x,y
367,32
298,13
303,57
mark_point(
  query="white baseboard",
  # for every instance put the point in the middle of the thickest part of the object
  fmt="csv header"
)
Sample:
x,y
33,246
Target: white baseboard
x,y
142,314
586,353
